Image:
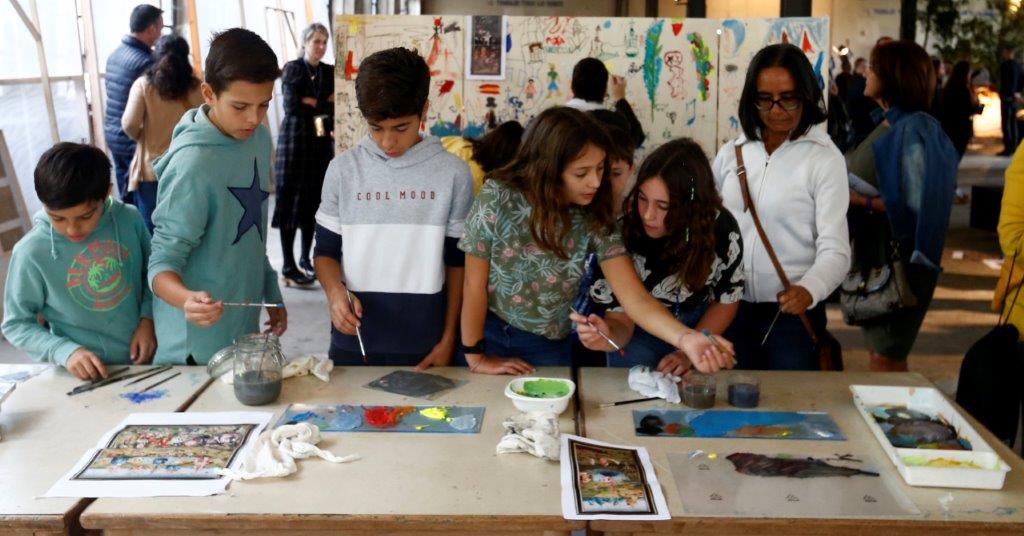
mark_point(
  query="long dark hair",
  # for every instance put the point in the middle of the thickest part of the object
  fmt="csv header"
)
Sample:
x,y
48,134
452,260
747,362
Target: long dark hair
x,y
552,141
498,147
958,88
172,73
694,204
805,85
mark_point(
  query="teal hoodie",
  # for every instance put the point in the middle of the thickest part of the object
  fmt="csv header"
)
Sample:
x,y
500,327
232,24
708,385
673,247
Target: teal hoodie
x,y
92,293
210,228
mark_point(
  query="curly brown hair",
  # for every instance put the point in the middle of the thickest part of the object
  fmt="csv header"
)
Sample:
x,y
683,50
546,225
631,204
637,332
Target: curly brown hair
x,y
694,204
553,140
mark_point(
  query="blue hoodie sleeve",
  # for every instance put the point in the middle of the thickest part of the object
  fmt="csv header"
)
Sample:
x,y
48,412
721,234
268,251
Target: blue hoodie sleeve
x,y
24,298
180,216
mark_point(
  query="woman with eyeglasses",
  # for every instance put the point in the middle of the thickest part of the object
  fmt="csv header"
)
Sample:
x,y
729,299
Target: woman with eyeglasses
x,y
798,186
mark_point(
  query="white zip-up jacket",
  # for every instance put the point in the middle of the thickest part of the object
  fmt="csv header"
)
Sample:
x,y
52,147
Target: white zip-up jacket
x,y
801,194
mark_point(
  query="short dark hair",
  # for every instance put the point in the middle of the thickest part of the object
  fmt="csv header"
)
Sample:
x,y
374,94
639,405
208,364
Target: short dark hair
x,y
69,174
805,85
239,54
499,146
392,83
617,128
906,75
590,80
143,16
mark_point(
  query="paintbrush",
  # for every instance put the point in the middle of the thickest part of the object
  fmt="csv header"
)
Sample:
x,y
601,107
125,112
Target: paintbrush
x,y
171,377
359,333
111,378
152,373
770,326
624,402
256,304
718,345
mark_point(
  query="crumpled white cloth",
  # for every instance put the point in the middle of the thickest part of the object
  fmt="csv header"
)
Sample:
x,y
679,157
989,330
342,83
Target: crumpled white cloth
x,y
653,383
535,433
317,365
275,452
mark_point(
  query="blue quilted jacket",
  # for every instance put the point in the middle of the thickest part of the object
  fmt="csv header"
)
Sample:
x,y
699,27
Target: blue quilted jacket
x,y
124,65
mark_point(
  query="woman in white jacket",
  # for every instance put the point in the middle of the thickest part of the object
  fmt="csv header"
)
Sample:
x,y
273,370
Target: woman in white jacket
x,y
798,186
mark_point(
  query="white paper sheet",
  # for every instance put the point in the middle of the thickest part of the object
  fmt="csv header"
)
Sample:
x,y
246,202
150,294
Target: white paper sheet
x,y
605,481
73,485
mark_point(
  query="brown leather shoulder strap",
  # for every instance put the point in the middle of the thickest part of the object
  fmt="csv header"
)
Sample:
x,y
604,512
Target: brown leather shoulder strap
x,y
748,205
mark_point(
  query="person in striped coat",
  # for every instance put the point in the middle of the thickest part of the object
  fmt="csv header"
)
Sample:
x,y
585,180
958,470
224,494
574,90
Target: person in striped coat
x,y
128,61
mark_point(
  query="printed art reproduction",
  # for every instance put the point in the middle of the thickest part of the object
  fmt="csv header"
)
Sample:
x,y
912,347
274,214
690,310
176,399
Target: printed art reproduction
x,y
603,481
174,452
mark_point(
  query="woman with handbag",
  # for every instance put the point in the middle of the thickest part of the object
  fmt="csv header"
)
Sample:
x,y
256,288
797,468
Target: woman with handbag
x,y
305,147
156,103
785,182
898,232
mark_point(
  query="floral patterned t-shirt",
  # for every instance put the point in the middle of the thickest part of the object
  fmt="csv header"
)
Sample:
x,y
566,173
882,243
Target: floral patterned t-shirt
x,y
530,288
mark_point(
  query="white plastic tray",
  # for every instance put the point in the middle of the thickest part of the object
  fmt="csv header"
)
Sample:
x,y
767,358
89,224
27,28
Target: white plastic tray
x,y
993,469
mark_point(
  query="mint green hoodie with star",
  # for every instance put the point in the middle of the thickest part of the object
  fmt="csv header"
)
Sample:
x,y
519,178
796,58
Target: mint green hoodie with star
x,y
91,293
210,227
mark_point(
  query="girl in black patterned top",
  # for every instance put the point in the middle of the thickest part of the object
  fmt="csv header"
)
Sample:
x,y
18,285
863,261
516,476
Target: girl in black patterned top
x,y
687,249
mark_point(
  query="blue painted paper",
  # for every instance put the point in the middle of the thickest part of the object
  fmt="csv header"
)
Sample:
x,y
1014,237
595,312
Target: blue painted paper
x,y
816,426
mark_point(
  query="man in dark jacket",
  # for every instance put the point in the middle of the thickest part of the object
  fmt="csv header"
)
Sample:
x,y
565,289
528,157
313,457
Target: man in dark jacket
x,y
128,61
1011,82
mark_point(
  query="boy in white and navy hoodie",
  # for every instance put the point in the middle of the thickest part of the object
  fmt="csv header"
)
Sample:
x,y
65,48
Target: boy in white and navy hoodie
x,y
390,217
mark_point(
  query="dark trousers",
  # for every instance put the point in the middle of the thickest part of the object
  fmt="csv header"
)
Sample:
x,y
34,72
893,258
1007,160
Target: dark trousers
x,y
788,346
145,201
121,163
504,340
1008,114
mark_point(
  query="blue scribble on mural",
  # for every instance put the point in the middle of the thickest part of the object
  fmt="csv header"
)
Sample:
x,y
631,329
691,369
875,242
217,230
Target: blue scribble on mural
x,y
474,130
508,42
607,24
739,32
653,61
817,70
140,397
444,128
734,123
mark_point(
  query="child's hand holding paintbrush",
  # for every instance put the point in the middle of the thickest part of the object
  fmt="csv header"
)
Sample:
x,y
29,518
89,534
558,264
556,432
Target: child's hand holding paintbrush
x,y
596,334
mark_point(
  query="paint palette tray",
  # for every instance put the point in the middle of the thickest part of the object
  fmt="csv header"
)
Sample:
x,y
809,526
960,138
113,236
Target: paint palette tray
x,y
977,468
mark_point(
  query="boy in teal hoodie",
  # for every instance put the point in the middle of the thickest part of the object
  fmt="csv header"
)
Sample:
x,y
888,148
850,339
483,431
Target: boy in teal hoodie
x,y
82,268
210,222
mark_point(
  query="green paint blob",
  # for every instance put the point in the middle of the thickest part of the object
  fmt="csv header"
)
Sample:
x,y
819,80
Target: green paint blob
x,y
544,389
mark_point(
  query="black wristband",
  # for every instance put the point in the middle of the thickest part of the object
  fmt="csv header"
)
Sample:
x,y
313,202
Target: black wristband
x,y
478,348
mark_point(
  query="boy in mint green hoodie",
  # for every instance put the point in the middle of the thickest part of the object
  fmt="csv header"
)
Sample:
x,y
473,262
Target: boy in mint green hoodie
x,y
210,221
82,268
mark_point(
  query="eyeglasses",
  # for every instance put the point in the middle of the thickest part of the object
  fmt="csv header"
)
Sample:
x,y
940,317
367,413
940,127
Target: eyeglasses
x,y
765,104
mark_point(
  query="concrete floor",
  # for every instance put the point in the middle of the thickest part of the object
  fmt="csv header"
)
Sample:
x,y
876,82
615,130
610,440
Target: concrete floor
x,y
959,314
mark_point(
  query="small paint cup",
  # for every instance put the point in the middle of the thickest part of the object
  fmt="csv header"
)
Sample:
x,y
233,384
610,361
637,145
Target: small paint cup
x,y
698,390
744,391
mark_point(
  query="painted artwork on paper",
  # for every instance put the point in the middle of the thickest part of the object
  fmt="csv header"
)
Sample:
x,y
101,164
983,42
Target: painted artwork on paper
x,y
368,418
485,36
412,383
167,452
911,429
817,426
739,42
610,480
773,484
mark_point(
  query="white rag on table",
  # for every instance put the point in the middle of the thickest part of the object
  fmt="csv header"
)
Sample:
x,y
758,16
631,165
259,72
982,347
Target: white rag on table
x,y
653,383
275,452
534,433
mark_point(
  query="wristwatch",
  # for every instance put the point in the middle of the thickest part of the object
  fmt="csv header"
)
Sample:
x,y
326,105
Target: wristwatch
x,y
477,348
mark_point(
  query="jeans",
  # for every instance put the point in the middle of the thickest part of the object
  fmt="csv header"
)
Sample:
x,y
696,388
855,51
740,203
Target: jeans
x,y
1011,137
504,340
145,201
646,349
788,346
122,161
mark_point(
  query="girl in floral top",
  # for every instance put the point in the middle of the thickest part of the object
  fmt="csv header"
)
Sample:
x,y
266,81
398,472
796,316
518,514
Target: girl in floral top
x,y
527,237
687,250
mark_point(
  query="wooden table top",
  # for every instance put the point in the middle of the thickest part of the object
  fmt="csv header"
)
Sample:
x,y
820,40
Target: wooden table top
x,y
973,511
404,481
45,432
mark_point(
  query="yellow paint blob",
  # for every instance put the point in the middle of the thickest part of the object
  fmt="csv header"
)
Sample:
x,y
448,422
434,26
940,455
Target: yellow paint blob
x,y
712,455
435,413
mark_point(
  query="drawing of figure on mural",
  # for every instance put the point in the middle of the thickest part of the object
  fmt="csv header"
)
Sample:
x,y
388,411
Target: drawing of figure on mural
x,y
553,84
632,41
536,52
435,46
595,45
491,118
531,89
674,62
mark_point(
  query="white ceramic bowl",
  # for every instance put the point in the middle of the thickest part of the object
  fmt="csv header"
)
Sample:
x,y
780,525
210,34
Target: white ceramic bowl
x,y
529,403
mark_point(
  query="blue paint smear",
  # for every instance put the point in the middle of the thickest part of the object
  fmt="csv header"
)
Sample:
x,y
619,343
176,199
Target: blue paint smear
x,y
140,397
444,128
607,24
474,130
508,42
739,31
724,423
